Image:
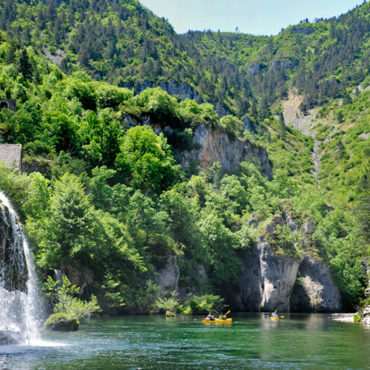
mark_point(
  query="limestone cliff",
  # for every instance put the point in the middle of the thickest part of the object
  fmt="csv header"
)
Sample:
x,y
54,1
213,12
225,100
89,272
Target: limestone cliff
x,y
214,145
168,277
284,282
315,290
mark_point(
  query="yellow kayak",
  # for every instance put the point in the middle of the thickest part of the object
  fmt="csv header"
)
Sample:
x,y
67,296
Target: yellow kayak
x,y
274,318
217,320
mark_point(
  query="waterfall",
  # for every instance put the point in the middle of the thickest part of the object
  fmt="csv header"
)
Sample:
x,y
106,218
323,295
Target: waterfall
x,y
19,311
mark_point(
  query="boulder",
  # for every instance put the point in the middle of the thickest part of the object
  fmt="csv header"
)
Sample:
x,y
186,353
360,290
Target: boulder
x,y
64,325
9,337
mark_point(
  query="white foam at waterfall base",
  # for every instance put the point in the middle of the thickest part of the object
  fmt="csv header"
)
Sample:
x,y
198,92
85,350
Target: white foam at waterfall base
x,y
20,312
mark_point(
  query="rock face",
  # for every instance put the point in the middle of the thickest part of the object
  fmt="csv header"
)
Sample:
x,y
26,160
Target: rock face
x,y
268,282
366,312
168,277
214,145
282,65
315,290
278,277
13,267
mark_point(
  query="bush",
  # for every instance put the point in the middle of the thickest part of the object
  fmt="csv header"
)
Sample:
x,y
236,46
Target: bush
x,y
201,305
66,306
168,305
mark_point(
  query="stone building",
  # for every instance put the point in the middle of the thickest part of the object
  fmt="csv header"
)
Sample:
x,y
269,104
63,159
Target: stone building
x,y
7,103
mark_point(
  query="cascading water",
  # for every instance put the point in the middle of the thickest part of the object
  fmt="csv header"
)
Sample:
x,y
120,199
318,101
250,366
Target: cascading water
x,y
19,310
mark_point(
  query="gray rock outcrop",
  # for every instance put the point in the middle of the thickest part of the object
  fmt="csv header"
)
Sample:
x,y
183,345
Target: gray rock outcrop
x,y
9,337
214,145
315,290
64,325
282,65
168,277
268,281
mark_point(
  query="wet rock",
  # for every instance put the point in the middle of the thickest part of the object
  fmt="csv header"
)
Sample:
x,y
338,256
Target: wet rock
x,y
64,325
9,337
13,267
249,295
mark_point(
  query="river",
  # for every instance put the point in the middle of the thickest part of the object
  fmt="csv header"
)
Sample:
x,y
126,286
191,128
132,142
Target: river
x,y
251,341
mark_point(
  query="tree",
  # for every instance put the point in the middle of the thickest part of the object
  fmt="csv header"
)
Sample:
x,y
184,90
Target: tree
x,y
282,127
24,65
69,229
147,160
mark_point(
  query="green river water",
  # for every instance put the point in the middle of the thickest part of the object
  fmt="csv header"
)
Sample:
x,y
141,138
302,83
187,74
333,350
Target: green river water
x,y
252,341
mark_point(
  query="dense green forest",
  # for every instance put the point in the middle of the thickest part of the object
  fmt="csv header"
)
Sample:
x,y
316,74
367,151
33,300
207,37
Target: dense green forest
x,y
102,195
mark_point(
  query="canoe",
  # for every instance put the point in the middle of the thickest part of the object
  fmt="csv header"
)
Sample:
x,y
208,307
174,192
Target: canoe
x,y
217,320
274,318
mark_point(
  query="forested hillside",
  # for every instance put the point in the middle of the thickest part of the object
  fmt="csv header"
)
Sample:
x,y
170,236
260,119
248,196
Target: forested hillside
x,y
103,196
125,44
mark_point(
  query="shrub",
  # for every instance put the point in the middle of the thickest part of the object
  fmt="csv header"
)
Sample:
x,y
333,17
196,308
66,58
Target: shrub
x,y
66,305
199,305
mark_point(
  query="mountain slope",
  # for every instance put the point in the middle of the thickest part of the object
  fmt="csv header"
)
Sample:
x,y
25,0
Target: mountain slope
x,y
105,155
124,43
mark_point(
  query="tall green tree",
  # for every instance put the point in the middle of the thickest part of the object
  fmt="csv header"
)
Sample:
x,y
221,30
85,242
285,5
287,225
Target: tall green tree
x,y
147,160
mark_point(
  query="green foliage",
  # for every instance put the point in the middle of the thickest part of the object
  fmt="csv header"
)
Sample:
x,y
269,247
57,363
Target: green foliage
x,y
66,305
201,305
146,158
111,199
168,305
231,124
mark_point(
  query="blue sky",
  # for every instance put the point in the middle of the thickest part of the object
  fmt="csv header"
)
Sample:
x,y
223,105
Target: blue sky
x,y
258,17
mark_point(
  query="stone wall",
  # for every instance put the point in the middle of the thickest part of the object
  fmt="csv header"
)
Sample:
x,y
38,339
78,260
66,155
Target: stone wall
x,y
11,155
8,103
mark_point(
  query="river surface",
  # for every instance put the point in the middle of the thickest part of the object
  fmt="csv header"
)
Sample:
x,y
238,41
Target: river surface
x,y
252,341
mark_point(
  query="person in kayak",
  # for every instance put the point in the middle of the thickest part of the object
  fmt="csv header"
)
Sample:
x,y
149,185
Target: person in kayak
x,y
274,315
210,317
